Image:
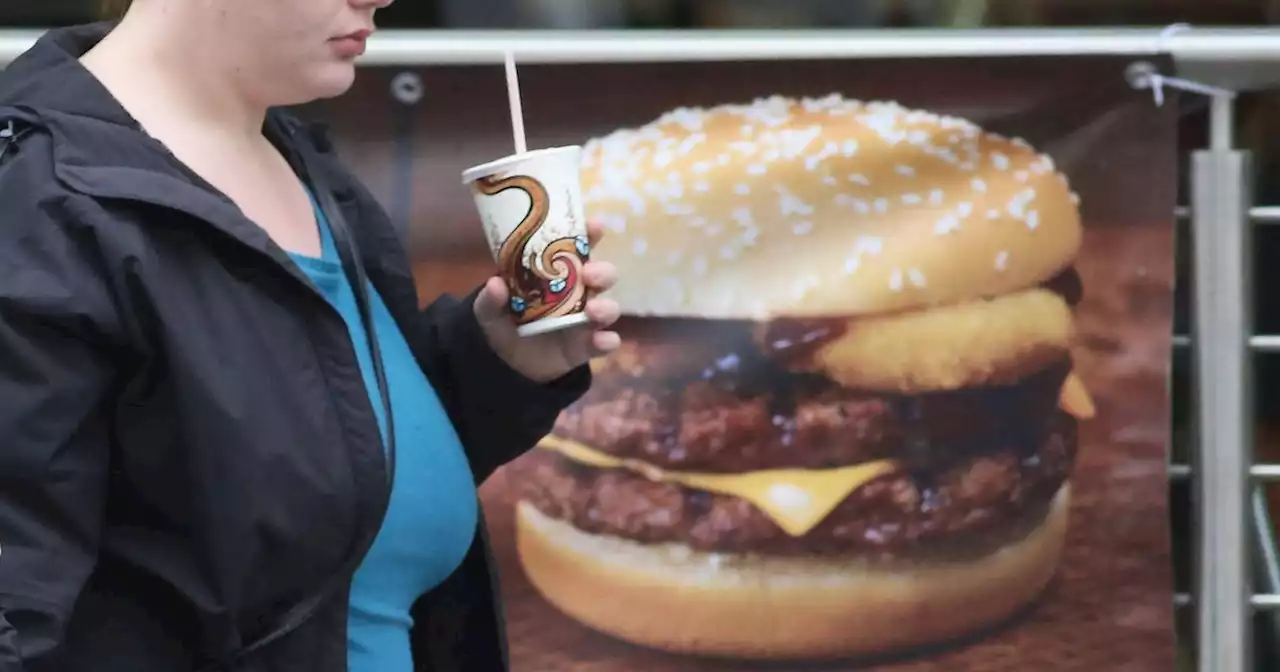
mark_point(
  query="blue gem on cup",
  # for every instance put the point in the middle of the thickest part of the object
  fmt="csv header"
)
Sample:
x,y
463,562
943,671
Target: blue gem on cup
x,y
556,286
584,247
517,305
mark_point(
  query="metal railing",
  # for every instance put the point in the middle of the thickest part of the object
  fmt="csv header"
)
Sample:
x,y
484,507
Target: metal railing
x,y
1227,499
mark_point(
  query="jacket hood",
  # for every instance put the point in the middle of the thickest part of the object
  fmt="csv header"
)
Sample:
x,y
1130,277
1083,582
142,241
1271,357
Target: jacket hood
x,y
48,78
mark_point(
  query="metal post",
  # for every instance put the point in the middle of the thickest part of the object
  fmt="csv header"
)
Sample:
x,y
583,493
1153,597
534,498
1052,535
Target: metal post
x,y
1222,122
1221,186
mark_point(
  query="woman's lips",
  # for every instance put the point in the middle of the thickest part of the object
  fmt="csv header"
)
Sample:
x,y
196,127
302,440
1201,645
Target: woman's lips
x,y
352,45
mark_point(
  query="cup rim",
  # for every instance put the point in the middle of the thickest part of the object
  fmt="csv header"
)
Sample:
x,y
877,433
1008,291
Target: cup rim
x,y
476,172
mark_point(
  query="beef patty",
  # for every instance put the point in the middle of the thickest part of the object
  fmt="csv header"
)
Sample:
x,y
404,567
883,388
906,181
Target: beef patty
x,y
718,423
967,503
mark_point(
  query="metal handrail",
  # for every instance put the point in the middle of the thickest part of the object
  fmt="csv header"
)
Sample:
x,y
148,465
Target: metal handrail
x,y
1241,58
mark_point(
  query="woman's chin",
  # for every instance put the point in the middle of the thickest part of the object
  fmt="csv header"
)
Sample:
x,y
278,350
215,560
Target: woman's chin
x,y
329,80
334,79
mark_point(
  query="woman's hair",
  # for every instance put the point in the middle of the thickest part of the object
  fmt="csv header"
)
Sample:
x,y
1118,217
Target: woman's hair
x,y
113,9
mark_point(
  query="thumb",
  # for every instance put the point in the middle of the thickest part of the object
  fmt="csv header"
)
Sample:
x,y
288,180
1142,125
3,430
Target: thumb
x,y
491,303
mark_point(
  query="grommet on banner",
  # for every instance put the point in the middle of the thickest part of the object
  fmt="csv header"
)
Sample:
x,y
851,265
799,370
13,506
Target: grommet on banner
x,y
406,88
1145,75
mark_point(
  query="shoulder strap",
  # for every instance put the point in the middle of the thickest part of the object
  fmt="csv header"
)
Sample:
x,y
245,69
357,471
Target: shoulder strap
x,y
348,252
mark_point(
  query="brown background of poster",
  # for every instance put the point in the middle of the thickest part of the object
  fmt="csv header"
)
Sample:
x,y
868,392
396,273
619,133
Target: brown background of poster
x,y
1110,607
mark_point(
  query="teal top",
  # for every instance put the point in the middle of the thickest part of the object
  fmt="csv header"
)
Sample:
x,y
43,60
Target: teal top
x,y
432,518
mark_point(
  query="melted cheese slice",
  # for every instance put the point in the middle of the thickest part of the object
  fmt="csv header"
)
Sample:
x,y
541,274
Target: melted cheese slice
x,y
1074,399
796,499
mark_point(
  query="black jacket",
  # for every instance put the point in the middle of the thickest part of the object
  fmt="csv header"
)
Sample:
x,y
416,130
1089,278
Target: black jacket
x,y
187,448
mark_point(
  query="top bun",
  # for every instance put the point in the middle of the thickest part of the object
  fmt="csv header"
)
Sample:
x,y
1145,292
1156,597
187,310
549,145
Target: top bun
x,y
822,207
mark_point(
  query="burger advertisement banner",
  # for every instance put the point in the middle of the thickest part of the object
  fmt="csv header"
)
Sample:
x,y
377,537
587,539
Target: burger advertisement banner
x,y
892,393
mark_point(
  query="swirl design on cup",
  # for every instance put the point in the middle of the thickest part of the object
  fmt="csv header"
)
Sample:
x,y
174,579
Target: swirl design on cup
x,y
542,284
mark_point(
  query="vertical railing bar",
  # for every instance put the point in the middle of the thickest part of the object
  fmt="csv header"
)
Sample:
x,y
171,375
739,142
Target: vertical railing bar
x,y
1223,400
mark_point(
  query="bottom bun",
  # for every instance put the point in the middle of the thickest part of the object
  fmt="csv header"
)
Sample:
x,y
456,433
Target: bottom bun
x,y
672,598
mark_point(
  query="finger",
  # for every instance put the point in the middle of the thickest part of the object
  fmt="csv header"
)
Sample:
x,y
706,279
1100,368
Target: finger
x,y
603,312
599,276
604,342
491,303
595,231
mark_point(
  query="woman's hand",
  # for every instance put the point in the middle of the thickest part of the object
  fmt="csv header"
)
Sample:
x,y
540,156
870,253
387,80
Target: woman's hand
x,y
548,356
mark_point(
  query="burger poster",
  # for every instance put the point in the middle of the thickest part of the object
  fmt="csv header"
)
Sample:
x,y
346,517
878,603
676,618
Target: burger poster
x,y
893,387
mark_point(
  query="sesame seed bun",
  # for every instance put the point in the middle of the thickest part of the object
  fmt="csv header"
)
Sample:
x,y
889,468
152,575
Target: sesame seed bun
x,y
822,207
675,599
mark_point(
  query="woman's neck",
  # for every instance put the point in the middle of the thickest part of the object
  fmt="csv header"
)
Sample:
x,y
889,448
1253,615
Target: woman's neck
x,y
163,74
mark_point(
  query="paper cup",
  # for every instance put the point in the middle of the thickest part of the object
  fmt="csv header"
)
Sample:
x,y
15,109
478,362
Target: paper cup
x,y
531,206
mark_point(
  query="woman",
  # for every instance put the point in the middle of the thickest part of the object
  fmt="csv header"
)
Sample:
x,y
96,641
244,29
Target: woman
x,y
223,447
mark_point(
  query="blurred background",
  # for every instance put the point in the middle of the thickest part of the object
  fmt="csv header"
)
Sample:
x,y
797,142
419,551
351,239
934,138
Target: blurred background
x,y
1258,118
752,13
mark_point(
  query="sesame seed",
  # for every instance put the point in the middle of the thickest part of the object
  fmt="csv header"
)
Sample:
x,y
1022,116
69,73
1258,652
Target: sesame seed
x,y
829,181
1033,219
993,214
802,228
702,187
790,204
868,245
1002,260
741,189
964,209
881,205
640,246
935,197
979,185
1021,176
860,179
895,280
757,169
916,276
905,171
700,265
851,265
1000,161
946,224
701,167
911,199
